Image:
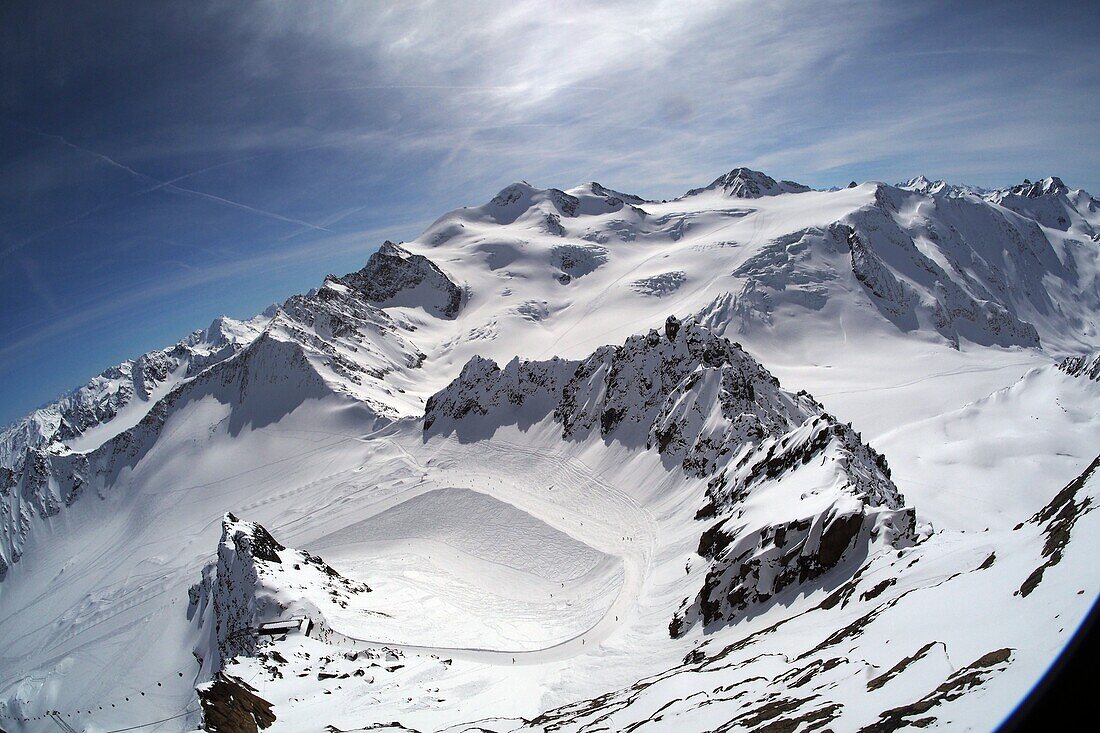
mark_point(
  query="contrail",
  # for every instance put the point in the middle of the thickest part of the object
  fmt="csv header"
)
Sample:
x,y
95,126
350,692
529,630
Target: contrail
x,y
158,184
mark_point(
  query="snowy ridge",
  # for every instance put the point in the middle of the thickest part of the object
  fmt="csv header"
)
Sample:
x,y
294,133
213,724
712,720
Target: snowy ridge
x,y
330,341
694,397
768,540
1053,204
131,387
900,266
961,269
352,344
262,381
921,184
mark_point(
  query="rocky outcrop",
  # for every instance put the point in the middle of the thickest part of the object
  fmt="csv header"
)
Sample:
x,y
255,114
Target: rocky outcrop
x,y
1086,366
755,554
923,185
611,195
1057,520
230,705
1051,203
1049,186
577,260
256,580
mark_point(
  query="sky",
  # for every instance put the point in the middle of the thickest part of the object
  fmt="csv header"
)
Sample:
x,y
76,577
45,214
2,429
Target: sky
x,y
165,163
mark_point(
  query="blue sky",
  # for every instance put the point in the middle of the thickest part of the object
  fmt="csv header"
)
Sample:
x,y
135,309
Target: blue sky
x,y
164,163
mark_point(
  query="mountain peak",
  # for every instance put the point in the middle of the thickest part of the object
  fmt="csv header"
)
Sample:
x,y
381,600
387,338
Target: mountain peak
x,y
393,276
596,189
1049,186
923,184
745,183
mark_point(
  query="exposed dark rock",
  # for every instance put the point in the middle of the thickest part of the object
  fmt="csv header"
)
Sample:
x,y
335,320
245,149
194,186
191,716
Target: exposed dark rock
x,y
877,590
1086,366
577,260
230,705
1051,186
957,685
647,392
248,586
901,666
1059,517
672,327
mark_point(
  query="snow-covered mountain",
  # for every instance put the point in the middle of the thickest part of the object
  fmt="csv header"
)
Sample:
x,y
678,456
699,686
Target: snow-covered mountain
x,y
744,183
749,453
706,406
940,187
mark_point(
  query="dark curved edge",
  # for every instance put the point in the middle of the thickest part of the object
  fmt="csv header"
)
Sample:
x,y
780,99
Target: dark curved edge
x,y
1059,691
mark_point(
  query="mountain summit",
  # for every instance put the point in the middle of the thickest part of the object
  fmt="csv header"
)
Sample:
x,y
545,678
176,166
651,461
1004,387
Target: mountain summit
x,y
745,183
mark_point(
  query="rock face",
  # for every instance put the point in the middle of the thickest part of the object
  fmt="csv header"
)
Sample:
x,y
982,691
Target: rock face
x,y
394,276
577,260
1057,520
706,406
230,705
981,306
256,580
